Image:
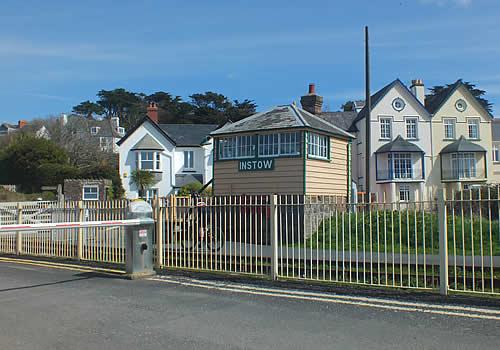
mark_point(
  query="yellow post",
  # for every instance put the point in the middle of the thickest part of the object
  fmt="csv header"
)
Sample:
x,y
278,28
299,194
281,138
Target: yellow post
x,y
79,240
19,237
159,232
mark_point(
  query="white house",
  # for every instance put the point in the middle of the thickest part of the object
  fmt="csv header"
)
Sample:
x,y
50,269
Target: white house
x,y
178,154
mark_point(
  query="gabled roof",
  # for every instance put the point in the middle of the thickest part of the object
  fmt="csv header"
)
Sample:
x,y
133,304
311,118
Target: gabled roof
x,y
434,103
83,124
399,145
379,95
462,145
177,134
147,143
282,117
495,129
188,134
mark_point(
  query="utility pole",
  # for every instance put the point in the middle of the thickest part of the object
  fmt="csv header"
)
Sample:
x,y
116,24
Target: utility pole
x,y
368,104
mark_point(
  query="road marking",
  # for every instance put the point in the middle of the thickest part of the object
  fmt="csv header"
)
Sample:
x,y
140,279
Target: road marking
x,y
62,266
488,314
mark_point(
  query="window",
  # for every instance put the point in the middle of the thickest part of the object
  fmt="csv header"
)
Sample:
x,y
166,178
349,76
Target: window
x,y
94,130
496,153
449,128
236,147
106,143
463,165
121,130
90,193
188,159
148,160
404,193
150,193
473,127
385,128
400,163
317,146
284,144
411,128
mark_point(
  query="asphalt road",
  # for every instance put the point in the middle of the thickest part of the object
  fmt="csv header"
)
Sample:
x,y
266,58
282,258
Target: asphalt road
x,y
47,308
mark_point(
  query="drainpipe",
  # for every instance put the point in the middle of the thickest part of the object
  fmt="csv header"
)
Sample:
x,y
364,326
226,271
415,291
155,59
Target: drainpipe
x,y
432,150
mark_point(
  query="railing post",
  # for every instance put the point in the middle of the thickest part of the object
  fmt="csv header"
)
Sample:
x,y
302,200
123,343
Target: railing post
x,y
159,233
443,243
79,237
274,236
19,237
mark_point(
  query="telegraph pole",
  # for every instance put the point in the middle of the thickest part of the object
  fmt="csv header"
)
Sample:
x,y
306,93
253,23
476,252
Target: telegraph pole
x,y
368,104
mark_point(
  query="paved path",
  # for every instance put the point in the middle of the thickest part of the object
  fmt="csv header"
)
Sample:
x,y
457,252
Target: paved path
x,y
49,308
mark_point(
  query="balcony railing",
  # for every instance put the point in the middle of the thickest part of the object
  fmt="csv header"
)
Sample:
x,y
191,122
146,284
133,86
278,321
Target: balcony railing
x,y
463,174
403,175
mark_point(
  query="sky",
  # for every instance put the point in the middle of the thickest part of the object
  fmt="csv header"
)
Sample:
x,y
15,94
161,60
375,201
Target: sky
x,y
55,54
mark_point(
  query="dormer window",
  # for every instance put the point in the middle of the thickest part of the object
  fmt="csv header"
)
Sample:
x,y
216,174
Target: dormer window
x,y
120,130
94,130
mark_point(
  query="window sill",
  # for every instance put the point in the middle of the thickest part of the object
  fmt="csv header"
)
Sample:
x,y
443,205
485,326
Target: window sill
x,y
189,171
453,139
478,140
318,158
385,139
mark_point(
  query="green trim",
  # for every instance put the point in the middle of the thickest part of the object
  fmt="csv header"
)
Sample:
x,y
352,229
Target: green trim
x,y
305,133
329,149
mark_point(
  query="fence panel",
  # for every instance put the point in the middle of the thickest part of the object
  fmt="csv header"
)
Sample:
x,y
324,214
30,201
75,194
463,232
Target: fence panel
x,y
378,243
474,241
222,233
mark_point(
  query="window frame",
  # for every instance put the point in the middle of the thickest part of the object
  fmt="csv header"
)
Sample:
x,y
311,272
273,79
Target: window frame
x,y
96,128
190,160
405,190
90,186
463,165
236,147
495,152
401,165
382,122
477,124
315,148
415,120
275,143
453,124
156,160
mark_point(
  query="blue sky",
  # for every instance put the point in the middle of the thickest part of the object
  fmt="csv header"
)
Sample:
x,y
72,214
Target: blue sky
x,y
54,54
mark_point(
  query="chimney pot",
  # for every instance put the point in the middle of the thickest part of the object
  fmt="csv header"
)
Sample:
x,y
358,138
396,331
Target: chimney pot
x,y
312,89
21,124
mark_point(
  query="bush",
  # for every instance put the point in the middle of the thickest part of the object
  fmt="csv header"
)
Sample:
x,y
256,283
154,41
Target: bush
x,y
49,196
195,187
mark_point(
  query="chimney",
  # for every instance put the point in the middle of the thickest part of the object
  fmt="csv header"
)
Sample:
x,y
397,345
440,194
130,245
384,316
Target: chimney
x,y
153,112
418,89
312,102
115,122
21,124
64,119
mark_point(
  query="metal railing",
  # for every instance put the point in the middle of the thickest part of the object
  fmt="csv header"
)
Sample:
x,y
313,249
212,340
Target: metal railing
x,y
44,235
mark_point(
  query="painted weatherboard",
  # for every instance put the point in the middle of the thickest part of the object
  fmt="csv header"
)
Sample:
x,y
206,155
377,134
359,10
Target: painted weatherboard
x,y
287,176
329,177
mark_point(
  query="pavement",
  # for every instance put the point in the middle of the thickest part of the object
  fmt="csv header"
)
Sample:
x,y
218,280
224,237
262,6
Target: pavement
x,y
63,307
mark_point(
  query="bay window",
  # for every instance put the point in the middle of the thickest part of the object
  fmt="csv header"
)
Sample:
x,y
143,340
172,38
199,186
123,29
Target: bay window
x,y
400,163
463,165
148,160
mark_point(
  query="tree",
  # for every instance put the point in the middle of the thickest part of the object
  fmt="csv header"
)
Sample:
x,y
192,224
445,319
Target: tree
x,y
29,161
477,93
130,107
215,108
143,179
88,109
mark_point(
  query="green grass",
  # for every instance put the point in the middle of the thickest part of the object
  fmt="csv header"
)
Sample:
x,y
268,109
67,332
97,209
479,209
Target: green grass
x,y
405,231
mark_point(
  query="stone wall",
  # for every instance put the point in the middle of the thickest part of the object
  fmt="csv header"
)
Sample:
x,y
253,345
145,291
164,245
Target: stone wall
x,y
73,188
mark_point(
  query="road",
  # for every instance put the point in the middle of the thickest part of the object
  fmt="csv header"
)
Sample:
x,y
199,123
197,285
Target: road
x,y
55,308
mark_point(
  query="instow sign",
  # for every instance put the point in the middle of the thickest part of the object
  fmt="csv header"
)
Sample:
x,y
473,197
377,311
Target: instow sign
x,y
256,165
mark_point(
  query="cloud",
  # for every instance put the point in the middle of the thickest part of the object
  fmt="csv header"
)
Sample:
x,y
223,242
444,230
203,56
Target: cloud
x,y
443,3
86,52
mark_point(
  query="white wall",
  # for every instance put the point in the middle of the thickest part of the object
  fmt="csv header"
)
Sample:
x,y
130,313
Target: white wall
x,y
171,161
384,109
128,161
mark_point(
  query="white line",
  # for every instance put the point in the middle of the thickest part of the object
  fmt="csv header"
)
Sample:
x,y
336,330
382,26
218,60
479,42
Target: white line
x,y
353,298
331,299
